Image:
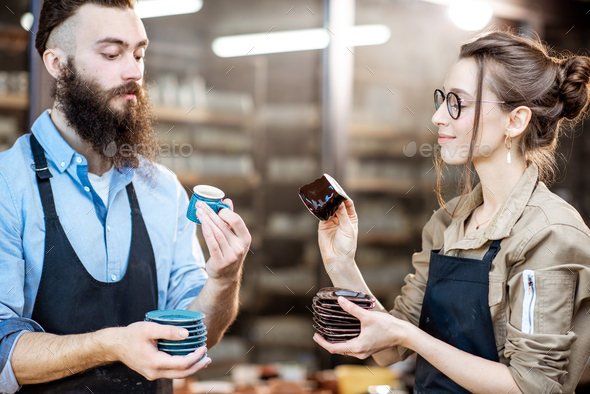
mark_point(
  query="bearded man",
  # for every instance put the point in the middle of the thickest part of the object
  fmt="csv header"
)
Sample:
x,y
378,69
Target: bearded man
x,y
94,233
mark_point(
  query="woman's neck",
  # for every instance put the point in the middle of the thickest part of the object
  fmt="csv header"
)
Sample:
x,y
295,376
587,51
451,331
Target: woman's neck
x,y
498,179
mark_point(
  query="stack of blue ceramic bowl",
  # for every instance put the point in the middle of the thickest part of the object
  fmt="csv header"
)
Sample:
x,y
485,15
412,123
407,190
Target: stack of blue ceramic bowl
x,y
192,321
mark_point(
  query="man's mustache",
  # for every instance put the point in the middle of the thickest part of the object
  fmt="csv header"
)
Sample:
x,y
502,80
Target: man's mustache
x,y
128,88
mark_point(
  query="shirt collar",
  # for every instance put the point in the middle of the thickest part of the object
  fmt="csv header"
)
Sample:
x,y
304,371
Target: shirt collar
x,y
502,223
57,149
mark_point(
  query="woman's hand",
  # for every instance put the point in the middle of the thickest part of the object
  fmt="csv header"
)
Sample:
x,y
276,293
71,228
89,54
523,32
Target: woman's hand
x,y
379,331
337,237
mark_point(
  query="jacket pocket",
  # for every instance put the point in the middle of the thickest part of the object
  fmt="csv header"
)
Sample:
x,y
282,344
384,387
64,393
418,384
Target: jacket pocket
x,y
555,294
496,290
497,302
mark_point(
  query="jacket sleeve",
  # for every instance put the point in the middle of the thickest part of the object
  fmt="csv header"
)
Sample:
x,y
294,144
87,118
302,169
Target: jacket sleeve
x,y
546,287
409,304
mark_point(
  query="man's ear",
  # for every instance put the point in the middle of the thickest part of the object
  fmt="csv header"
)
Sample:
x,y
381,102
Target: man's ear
x,y
54,60
518,120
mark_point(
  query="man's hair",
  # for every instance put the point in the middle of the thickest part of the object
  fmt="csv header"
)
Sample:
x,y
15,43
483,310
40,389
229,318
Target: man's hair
x,y
56,12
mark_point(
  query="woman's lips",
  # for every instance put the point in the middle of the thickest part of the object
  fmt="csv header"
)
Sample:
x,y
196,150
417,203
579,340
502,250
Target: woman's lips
x,y
443,139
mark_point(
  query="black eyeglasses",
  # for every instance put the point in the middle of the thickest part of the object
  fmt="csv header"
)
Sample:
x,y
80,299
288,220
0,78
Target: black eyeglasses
x,y
454,102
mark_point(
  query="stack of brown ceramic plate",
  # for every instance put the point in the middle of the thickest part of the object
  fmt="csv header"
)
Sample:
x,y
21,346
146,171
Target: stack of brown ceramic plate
x,y
331,321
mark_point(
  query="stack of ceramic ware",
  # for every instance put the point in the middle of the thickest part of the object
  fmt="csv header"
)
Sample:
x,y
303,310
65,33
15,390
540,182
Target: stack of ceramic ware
x,y
331,321
192,321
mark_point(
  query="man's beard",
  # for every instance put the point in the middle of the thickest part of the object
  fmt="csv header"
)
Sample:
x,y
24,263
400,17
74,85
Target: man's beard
x,y
121,136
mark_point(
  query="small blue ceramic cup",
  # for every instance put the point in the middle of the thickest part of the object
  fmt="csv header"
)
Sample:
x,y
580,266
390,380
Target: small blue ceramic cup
x,y
210,195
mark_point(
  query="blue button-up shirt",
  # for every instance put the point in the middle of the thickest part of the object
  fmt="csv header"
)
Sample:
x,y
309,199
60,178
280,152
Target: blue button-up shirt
x,y
101,237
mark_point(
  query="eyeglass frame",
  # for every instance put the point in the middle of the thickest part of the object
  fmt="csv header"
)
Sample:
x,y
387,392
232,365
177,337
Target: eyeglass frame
x,y
459,100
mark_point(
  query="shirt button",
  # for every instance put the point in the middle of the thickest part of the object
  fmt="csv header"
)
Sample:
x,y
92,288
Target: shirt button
x,y
114,277
63,164
108,228
86,188
79,159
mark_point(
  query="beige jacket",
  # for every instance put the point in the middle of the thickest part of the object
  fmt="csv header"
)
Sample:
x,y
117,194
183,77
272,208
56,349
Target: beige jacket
x,y
543,333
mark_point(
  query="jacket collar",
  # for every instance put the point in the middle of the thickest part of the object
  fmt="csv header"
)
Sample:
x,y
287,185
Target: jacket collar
x,y
502,223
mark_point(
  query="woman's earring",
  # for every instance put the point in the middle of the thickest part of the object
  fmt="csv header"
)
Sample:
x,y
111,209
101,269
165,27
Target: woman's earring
x,y
508,144
58,80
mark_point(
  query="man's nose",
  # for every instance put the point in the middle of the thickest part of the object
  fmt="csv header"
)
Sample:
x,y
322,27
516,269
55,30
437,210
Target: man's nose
x,y
132,69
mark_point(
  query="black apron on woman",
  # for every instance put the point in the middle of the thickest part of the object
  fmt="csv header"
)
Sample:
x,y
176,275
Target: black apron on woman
x,y
71,301
456,311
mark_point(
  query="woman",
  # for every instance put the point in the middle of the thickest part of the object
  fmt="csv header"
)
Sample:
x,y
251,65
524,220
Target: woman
x,y
500,298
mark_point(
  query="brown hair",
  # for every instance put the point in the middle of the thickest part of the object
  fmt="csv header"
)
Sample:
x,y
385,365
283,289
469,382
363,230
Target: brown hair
x,y
521,72
54,12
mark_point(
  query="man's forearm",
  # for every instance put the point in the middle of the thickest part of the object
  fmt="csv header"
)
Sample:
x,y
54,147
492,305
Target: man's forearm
x,y
219,301
41,357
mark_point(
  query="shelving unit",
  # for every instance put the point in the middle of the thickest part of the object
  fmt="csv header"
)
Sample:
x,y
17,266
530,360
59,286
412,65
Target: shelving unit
x,y
14,101
201,116
187,178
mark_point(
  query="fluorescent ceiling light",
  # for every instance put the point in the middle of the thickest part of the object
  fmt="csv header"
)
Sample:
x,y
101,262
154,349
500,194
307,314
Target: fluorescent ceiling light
x,y
364,35
295,40
154,8
282,41
470,14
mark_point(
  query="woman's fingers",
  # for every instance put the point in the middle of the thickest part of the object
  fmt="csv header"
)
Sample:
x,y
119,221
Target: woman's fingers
x,y
344,219
349,204
334,348
344,348
352,308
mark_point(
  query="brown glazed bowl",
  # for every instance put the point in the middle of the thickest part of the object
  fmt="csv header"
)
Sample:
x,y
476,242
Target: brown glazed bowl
x,y
322,197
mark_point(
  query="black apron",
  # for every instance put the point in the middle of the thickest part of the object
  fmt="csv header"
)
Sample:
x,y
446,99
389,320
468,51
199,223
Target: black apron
x,y
456,310
71,301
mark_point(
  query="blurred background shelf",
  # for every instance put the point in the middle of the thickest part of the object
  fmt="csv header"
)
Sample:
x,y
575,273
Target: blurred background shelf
x,y
399,186
14,101
203,116
221,181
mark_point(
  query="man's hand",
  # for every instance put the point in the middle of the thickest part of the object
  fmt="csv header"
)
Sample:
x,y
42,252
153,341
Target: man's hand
x,y
228,241
40,357
136,346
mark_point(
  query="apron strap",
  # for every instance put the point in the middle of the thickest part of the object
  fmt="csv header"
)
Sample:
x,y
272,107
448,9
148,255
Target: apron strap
x,y
43,174
133,199
40,165
492,251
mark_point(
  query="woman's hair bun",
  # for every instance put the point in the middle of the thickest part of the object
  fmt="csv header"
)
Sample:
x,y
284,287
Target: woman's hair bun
x,y
574,91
